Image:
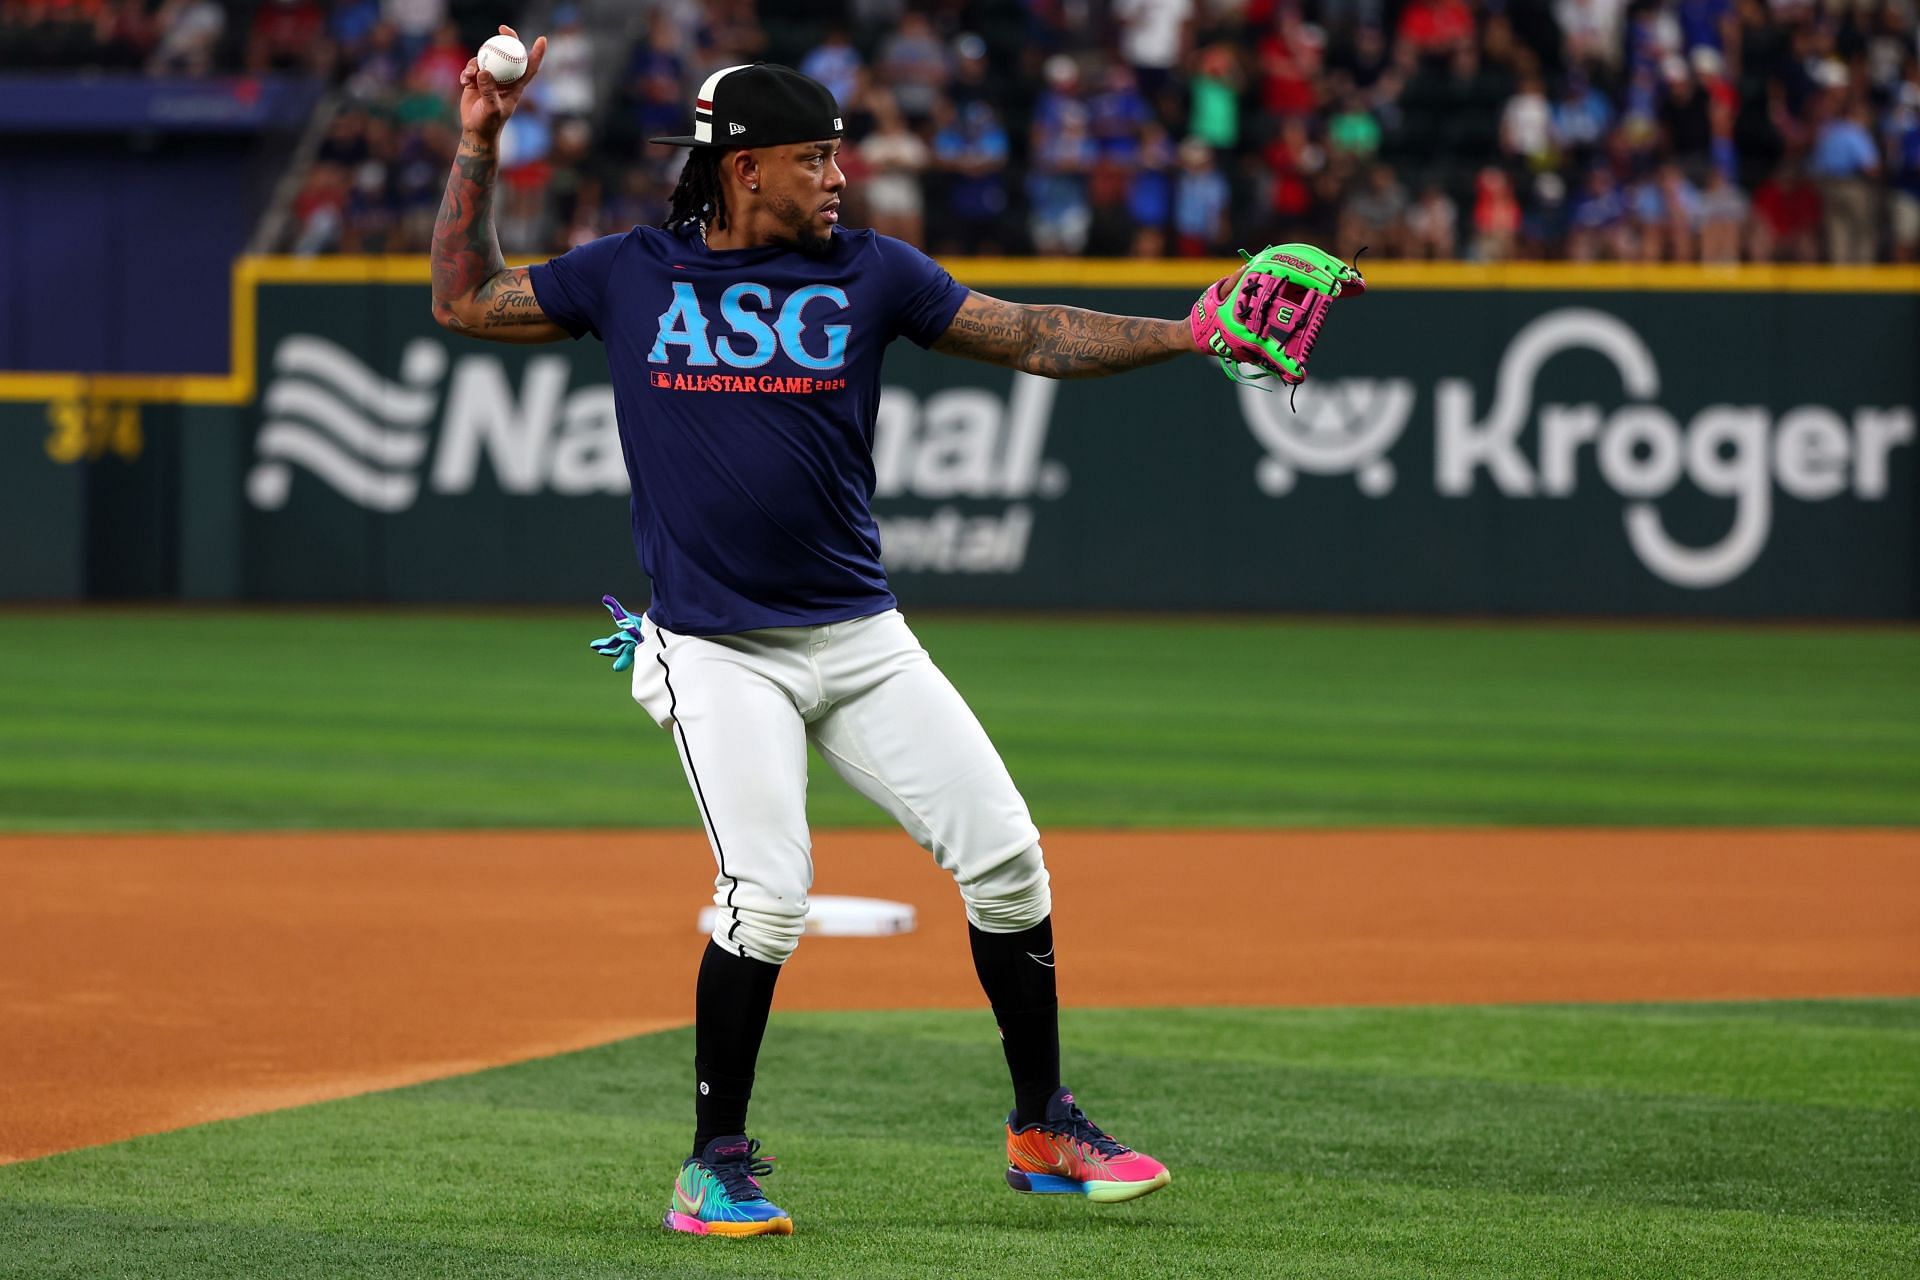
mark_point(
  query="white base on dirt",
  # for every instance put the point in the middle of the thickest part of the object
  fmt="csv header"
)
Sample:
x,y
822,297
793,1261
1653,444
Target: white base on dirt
x,y
830,916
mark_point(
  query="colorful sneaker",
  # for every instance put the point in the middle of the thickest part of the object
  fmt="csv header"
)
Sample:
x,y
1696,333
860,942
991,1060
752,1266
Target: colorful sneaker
x,y
718,1193
1068,1154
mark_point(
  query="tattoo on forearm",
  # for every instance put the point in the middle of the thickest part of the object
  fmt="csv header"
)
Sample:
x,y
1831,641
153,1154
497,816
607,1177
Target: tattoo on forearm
x,y
1071,343
1060,342
466,253
467,264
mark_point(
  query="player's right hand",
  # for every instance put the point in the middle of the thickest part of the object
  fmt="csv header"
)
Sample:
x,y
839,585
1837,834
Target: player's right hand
x,y
485,103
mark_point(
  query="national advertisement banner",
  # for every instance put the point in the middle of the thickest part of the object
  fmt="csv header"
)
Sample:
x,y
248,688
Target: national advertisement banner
x,y
1512,452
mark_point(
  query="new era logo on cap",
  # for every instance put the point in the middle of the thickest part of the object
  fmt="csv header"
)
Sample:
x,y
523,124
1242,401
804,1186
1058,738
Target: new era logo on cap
x,y
776,104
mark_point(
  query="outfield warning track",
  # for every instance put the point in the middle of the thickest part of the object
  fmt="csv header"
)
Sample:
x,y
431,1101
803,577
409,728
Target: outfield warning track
x,y
153,982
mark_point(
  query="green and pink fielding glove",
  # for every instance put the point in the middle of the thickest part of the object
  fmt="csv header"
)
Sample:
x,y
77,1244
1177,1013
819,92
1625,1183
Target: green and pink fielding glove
x,y
1267,315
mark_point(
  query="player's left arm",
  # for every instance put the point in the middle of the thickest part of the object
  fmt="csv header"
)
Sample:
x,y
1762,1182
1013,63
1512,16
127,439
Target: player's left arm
x,y
1061,342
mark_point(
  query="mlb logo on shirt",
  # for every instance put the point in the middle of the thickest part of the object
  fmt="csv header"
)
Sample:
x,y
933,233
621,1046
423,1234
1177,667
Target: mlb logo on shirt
x,y
659,379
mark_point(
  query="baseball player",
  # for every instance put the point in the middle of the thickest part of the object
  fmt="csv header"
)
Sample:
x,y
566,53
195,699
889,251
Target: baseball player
x,y
744,338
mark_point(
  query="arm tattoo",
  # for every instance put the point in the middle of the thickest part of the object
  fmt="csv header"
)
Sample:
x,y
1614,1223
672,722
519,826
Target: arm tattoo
x,y
467,263
986,329
1060,342
509,301
466,253
1071,343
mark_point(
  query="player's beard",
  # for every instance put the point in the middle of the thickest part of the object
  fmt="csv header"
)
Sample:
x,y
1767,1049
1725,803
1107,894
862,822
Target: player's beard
x,y
800,235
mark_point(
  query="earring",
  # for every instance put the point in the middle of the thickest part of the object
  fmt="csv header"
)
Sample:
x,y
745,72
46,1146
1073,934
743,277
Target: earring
x,y
753,186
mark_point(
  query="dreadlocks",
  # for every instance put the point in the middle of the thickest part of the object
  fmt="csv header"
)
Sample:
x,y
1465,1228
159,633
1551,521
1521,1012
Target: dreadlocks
x,y
697,198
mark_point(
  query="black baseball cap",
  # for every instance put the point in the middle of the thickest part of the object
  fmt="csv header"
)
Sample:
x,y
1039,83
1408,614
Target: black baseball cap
x,y
760,104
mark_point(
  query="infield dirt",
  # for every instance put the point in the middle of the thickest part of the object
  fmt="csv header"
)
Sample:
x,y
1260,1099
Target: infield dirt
x,y
152,982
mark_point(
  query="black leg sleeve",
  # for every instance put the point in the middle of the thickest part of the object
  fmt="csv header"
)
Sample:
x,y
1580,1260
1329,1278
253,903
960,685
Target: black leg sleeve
x,y
731,1003
1016,971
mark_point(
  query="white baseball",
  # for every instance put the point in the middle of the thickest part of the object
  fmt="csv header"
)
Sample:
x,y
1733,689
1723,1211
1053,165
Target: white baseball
x,y
503,58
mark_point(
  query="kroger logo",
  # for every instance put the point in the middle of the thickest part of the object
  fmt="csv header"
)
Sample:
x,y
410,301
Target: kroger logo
x,y
1335,427
1640,451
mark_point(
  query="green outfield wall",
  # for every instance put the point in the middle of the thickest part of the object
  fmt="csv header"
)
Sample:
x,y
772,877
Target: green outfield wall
x,y
1511,451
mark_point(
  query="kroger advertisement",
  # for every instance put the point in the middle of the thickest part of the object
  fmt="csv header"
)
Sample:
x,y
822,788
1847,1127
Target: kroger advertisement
x,y
1518,452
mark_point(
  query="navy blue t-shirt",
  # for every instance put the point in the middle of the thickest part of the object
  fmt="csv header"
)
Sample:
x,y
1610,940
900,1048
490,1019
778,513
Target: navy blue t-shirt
x,y
746,382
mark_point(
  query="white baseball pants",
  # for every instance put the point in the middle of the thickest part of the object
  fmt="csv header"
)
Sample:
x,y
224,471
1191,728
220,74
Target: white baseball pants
x,y
742,709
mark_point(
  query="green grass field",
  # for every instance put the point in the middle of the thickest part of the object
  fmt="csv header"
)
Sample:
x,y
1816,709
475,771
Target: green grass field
x,y
1755,1140
1648,1141
155,719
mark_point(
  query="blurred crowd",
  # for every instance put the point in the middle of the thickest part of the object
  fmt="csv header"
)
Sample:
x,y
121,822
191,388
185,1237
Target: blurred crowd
x,y
207,37
1646,130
